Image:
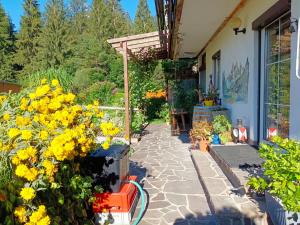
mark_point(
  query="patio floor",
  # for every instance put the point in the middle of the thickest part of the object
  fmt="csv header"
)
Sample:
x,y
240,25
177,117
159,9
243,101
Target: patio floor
x,y
163,163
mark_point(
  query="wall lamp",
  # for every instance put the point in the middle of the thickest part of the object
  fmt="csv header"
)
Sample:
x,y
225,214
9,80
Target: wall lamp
x,y
293,25
236,23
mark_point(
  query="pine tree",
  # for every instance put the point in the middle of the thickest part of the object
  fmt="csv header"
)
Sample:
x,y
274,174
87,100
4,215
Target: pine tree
x,y
78,23
143,21
78,13
54,39
120,24
6,47
27,42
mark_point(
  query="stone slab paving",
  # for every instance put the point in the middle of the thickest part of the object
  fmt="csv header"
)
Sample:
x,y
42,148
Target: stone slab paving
x,y
227,205
163,164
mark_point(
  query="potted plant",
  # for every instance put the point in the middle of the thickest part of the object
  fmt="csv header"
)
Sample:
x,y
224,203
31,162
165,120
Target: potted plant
x,y
280,180
200,134
222,128
211,97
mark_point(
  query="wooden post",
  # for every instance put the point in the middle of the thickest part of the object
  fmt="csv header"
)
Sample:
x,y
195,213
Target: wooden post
x,y
126,89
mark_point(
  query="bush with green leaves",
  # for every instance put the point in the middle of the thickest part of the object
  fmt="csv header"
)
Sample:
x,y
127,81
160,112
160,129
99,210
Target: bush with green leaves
x,y
221,124
101,91
281,177
164,112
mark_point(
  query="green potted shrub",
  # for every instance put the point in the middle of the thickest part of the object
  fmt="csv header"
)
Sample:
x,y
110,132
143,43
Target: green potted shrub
x,y
280,180
200,134
222,128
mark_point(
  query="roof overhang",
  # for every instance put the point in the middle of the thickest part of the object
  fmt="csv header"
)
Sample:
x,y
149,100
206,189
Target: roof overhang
x,y
196,22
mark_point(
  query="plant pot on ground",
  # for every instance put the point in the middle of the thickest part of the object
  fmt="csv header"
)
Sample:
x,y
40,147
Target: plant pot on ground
x,y
222,127
281,180
201,133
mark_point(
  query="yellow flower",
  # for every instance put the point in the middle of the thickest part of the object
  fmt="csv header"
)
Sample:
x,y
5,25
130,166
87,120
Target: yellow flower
x,y
23,154
44,135
31,151
2,99
39,217
21,170
15,160
100,115
32,174
27,193
69,97
44,81
55,83
32,96
6,116
20,213
44,221
96,103
22,121
42,90
13,132
105,145
26,135
50,168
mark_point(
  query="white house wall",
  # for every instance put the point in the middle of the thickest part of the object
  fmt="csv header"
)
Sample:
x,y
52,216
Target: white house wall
x,y
237,49
295,82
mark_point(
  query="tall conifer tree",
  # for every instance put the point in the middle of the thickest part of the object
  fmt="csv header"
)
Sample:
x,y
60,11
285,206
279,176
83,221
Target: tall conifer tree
x,y
143,22
55,38
6,47
28,37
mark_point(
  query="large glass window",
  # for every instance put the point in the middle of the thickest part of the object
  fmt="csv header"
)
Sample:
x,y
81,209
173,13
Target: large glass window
x,y
277,76
217,70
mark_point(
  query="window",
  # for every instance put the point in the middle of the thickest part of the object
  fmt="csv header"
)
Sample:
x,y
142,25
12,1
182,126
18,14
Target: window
x,y
277,76
217,70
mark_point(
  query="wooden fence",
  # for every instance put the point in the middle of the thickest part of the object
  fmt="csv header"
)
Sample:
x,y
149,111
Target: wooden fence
x,y
6,87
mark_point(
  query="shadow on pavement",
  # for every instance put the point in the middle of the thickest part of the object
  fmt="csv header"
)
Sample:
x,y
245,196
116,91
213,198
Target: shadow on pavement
x,y
225,216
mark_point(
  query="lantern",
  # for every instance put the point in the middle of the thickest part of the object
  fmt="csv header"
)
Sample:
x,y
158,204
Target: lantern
x,y
271,132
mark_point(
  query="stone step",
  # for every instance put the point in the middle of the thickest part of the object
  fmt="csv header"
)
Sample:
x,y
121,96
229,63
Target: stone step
x,y
232,159
229,207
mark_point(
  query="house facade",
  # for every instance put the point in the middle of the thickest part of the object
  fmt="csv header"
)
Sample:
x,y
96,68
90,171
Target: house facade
x,y
248,49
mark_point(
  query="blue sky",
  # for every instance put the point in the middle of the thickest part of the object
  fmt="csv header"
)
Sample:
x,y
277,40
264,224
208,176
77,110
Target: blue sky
x,y
15,10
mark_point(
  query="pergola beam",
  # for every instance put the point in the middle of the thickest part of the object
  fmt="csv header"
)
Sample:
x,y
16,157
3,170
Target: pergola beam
x,y
133,46
134,37
126,90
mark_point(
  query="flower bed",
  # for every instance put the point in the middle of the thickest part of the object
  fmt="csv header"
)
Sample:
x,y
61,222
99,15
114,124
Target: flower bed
x,y
44,133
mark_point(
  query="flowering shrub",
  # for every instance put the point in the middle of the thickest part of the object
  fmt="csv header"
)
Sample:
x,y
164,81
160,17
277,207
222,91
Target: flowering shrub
x,y
156,94
44,133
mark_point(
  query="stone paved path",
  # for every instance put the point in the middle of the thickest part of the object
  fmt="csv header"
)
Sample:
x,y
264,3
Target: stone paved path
x,y
170,179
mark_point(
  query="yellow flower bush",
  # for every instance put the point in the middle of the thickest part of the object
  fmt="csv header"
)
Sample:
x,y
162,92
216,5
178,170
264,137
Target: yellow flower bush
x,y
44,132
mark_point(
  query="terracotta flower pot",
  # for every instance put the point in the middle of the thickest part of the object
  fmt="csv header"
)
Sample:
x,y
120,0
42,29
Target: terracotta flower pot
x,y
203,145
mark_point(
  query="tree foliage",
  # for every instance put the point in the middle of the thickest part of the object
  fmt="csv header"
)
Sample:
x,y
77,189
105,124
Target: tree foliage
x,y
6,47
54,40
28,38
143,22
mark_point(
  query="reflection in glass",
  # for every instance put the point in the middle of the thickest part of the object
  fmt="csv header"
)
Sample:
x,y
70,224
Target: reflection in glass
x,y
277,82
272,83
273,43
284,83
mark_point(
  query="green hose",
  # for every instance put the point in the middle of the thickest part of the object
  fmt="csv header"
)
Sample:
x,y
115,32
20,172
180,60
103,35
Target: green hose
x,y
139,217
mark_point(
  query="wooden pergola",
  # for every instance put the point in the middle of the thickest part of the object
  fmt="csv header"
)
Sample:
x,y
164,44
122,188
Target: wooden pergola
x,y
138,47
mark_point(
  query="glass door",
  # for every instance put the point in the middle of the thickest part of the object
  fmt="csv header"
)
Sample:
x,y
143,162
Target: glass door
x,y
276,101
